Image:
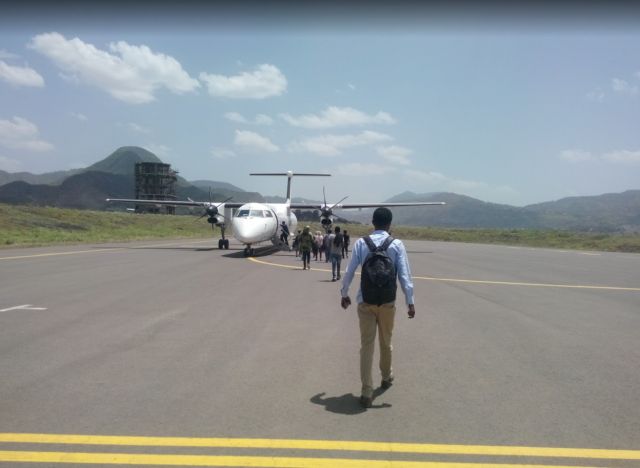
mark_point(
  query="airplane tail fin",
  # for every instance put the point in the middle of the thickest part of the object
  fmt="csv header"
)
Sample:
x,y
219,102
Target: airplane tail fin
x,y
289,175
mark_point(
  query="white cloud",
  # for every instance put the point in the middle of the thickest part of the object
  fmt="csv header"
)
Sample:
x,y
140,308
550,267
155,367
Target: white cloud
x,y
265,81
161,151
138,128
333,145
395,154
614,157
622,157
20,76
337,117
254,142
351,86
79,116
9,165
129,73
262,119
222,153
235,117
597,95
623,87
364,169
22,134
576,156
440,182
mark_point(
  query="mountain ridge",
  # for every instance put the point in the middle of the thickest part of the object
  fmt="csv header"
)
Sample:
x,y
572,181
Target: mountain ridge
x,y
112,177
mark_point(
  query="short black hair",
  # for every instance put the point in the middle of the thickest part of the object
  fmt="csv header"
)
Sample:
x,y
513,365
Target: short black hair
x,y
337,229
382,217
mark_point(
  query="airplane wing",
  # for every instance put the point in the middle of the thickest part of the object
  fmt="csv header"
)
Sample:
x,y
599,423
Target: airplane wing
x,y
173,202
346,206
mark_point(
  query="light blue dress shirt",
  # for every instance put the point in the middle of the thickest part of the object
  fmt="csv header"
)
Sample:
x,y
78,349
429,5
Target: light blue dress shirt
x,y
396,252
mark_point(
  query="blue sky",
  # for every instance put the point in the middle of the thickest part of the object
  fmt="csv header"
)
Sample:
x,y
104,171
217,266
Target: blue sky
x,y
515,110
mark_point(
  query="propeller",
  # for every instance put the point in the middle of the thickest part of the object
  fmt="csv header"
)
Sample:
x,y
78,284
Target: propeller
x,y
326,211
211,210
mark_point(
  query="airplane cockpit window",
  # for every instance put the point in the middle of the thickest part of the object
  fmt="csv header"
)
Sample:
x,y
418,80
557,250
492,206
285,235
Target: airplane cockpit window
x,y
242,214
268,214
256,213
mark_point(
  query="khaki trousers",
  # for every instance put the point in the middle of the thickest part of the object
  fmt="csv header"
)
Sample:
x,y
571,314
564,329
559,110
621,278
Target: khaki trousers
x,y
372,318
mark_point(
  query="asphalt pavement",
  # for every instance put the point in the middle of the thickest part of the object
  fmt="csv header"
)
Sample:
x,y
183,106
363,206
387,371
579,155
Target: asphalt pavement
x,y
515,355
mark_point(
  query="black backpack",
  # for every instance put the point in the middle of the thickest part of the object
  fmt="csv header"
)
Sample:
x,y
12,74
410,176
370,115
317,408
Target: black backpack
x,y
378,280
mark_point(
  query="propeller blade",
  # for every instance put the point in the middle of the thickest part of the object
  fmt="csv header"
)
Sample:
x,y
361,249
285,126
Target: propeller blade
x,y
224,202
335,204
210,200
324,196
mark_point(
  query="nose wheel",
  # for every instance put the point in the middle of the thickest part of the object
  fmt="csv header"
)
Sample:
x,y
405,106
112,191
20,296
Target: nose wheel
x,y
223,244
248,251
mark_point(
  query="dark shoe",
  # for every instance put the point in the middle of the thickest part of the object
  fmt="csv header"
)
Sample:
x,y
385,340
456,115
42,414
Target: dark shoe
x,y
386,384
333,279
338,277
366,402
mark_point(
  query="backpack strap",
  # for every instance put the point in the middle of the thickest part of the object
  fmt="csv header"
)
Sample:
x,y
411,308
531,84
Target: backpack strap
x,y
382,247
387,242
370,244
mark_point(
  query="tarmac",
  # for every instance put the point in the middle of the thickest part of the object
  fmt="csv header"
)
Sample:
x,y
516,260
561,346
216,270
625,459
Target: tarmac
x,y
177,353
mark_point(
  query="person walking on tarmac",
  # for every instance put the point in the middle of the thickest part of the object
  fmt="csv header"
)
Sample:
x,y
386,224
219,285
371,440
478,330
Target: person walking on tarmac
x,y
284,233
305,242
383,260
345,243
335,245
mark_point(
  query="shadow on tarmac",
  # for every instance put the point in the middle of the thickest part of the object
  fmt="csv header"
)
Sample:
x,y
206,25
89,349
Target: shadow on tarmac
x,y
258,252
347,404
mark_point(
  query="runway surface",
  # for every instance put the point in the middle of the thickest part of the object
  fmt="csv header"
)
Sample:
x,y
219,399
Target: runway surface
x,y
174,352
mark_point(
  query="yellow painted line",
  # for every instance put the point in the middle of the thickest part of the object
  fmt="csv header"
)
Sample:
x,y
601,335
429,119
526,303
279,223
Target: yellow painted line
x,y
215,460
303,444
501,283
110,249
537,285
55,254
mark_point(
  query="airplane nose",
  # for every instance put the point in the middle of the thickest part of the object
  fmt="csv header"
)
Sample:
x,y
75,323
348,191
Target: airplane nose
x,y
242,230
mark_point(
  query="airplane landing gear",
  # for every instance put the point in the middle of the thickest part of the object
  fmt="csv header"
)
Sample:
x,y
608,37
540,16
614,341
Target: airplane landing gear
x,y
248,251
223,244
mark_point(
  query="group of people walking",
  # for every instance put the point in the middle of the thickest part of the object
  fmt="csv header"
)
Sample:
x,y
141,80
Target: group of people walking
x,y
334,246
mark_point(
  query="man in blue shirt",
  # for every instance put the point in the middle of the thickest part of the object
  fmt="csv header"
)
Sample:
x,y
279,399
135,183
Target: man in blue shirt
x,y
374,316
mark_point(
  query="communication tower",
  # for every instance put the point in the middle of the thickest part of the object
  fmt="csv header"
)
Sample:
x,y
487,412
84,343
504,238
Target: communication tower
x,y
155,181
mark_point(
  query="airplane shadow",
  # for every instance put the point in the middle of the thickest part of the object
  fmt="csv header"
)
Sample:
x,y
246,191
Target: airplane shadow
x,y
187,249
347,404
258,252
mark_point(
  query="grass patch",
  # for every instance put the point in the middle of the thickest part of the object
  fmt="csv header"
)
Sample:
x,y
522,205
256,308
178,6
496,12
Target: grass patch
x,y
22,226
37,226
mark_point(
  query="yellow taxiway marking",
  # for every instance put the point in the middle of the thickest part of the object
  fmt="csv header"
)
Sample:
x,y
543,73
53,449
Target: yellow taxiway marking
x,y
334,445
245,461
456,280
109,249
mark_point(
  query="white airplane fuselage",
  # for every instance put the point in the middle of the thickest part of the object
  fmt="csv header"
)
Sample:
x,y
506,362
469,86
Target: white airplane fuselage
x,y
260,222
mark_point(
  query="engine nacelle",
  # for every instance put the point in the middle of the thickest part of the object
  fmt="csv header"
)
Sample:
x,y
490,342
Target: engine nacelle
x,y
214,220
326,222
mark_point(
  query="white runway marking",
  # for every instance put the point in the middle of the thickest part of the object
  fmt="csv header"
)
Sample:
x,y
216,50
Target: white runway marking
x,y
23,307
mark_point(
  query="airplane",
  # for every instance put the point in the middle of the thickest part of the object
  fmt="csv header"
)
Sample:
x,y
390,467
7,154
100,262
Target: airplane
x,y
255,222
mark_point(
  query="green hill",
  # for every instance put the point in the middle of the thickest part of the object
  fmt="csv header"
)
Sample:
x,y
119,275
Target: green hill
x,y
122,160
